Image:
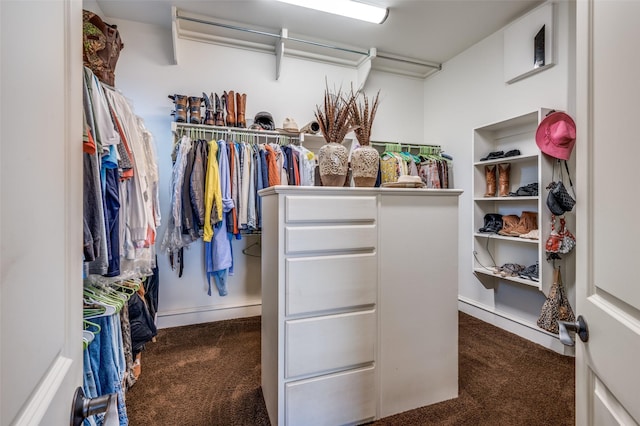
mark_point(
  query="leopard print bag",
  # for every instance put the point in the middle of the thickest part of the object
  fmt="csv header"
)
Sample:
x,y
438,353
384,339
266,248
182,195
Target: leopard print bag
x,y
556,307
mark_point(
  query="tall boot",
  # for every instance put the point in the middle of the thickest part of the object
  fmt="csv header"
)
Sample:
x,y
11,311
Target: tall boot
x,y
504,170
241,101
231,110
180,108
209,109
490,176
195,104
220,105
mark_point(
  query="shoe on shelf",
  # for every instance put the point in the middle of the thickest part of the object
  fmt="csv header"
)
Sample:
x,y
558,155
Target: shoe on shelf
x,y
493,155
509,223
512,153
530,190
534,234
492,223
511,270
531,273
528,222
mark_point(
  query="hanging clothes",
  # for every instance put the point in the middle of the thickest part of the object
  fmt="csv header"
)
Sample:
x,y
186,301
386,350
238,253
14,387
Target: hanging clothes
x,y
218,257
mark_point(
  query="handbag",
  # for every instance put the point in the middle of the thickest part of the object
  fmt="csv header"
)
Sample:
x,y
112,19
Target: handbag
x,y
561,241
559,200
556,307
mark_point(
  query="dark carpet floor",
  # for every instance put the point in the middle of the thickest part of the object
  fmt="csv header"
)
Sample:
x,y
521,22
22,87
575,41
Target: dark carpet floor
x,y
209,375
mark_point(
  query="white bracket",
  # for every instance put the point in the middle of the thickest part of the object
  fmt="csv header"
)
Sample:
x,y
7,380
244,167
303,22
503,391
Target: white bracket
x,y
364,68
284,34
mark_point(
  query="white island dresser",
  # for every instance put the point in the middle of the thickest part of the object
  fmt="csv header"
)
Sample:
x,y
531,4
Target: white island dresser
x,y
359,302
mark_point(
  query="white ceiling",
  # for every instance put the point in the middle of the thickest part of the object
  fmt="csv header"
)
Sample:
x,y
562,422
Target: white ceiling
x,y
427,30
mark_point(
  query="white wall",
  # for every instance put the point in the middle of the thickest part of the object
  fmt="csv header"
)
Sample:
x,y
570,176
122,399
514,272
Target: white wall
x,y
145,75
470,92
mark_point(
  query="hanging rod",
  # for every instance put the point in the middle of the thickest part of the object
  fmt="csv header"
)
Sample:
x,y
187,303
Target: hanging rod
x,y
409,61
264,33
404,145
225,129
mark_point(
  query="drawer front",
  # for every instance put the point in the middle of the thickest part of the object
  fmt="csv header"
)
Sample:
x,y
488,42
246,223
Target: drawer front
x,y
338,399
330,282
321,344
340,209
330,238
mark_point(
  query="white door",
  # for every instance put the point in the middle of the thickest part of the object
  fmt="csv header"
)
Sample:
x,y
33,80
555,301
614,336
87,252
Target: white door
x,y
41,210
608,215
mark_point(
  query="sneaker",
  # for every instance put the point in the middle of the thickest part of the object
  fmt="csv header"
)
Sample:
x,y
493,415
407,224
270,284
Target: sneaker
x,y
530,273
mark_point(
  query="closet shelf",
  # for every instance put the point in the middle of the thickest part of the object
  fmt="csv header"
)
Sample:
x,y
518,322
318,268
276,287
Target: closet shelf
x,y
504,237
514,159
524,281
508,199
206,29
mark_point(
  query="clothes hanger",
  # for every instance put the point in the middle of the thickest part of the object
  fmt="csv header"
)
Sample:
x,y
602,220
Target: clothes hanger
x,y
258,243
100,296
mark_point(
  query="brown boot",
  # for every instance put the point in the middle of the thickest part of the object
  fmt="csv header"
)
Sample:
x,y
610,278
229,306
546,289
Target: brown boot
x,y
528,222
490,175
504,170
220,106
240,106
231,110
209,109
180,111
195,104
509,223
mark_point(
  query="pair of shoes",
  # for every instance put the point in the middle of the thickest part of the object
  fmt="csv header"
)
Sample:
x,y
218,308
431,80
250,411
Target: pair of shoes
x,y
492,223
493,155
514,226
530,190
530,272
497,175
500,154
510,270
184,104
235,105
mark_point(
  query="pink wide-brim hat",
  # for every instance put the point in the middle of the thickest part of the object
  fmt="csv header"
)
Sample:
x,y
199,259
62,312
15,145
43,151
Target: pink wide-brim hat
x,y
556,135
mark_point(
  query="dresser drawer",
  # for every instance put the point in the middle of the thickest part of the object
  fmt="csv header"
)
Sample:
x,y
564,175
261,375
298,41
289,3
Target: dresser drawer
x,y
320,344
330,282
337,399
305,239
332,209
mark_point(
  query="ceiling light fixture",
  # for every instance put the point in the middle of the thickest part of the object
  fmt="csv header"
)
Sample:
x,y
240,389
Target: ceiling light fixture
x,y
348,8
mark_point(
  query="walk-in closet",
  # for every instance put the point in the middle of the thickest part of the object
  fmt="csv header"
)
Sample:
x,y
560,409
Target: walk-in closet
x,y
255,212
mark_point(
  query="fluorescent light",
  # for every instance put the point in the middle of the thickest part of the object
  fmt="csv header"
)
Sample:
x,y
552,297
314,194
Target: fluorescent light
x,y
348,8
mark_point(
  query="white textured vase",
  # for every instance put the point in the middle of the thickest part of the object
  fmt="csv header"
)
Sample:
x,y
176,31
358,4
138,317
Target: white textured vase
x,y
333,162
365,162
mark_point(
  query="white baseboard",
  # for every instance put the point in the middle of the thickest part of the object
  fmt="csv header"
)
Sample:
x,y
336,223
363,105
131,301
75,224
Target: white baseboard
x,y
206,314
514,325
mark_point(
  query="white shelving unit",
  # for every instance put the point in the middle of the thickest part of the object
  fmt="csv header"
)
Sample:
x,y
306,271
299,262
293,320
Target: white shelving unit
x,y
515,302
528,167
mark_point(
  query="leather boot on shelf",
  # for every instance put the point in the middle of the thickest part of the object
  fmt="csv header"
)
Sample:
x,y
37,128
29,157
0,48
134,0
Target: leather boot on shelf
x,y
220,106
528,222
504,170
509,223
231,110
490,175
241,100
180,108
195,104
209,109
